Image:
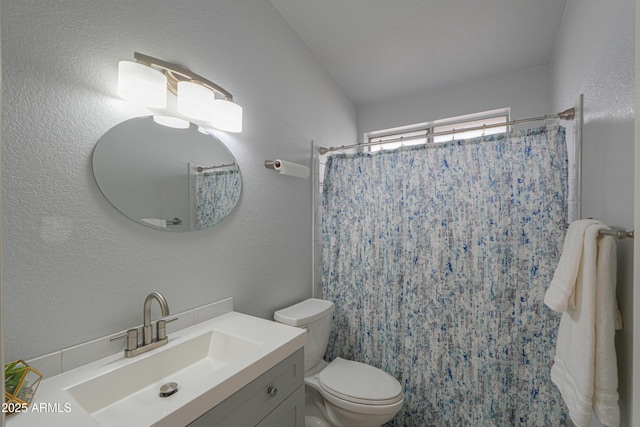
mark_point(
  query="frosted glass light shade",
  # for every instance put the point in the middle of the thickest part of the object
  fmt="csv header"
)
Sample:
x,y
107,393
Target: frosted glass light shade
x,y
172,122
194,100
226,115
142,84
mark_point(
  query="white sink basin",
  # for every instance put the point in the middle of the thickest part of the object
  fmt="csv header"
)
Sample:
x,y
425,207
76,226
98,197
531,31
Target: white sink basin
x,y
109,396
209,361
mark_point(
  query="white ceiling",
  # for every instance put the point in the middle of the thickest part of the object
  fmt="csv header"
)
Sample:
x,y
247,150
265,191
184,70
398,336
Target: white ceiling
x,y
381,49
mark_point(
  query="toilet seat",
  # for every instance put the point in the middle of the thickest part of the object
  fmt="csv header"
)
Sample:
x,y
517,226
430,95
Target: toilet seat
x,y
359,383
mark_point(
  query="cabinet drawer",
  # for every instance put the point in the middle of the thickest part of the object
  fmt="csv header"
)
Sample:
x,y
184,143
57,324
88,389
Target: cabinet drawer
x,y
258,398
290,413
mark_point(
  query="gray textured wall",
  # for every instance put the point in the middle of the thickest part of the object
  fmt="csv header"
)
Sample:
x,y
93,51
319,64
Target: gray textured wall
x,y
595,56
74,267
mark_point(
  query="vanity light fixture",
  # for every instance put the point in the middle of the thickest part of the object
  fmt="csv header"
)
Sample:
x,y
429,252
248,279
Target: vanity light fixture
x,y
171,122
141,84
147,80
194,100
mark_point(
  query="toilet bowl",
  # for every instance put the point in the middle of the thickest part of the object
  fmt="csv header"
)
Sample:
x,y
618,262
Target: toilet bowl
x,y
342,393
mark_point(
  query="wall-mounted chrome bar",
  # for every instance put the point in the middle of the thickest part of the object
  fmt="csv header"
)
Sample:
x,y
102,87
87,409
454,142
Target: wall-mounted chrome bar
x,y
565,115
620,234
271,164
204,168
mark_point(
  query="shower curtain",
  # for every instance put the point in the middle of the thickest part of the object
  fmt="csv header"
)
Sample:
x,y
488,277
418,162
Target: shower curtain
x,y
216,194
437,258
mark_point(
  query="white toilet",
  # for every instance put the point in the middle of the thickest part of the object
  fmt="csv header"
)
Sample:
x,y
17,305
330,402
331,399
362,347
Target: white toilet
x,y
342,393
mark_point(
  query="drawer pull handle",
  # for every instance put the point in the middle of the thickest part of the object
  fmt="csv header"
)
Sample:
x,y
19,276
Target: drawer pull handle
x,y
273,391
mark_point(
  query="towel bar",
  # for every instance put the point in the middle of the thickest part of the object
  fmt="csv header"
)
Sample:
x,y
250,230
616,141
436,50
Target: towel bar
x,y
620,234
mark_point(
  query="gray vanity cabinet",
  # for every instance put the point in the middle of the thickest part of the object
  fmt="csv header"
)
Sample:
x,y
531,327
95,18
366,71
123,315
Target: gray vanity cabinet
x,y
275,399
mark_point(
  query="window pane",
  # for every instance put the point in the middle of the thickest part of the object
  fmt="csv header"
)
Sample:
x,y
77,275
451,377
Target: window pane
x,y
472,133
420,136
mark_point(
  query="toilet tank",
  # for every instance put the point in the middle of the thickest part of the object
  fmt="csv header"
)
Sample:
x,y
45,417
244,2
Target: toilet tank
x,y
316,316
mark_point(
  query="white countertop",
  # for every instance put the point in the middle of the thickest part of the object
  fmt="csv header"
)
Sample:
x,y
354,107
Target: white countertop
x,y
53,405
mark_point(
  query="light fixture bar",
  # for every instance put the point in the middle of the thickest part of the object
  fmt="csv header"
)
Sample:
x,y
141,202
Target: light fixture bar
x,y
176,73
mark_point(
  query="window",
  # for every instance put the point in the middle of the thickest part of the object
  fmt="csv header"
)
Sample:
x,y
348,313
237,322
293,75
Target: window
x,y
428,132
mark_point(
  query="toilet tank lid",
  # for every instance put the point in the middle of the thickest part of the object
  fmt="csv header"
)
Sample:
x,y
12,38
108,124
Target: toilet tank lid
x,y
304,312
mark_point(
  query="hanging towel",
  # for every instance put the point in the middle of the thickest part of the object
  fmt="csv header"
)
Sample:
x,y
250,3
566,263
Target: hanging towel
x,y
562,291
585,368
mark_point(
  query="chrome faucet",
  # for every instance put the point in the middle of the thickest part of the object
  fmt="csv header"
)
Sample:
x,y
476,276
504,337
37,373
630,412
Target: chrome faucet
x,y
148,343
147,333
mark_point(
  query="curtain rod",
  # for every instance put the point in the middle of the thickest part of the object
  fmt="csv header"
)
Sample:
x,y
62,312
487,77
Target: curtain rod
x,y
204,168
565,115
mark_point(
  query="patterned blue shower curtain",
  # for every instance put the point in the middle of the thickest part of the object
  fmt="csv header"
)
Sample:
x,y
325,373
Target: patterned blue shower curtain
x,y
437,258
217,193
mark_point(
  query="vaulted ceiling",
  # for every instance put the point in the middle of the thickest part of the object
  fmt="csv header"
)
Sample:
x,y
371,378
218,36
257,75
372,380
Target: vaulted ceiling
x,y
384,49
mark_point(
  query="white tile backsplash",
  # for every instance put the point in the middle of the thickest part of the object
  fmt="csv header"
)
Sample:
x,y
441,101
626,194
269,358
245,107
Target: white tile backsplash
x,y
209,311
81,354
73,357
48,365
184,320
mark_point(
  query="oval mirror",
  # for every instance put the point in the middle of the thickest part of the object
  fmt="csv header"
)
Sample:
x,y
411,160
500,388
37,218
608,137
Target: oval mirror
x,y
167,178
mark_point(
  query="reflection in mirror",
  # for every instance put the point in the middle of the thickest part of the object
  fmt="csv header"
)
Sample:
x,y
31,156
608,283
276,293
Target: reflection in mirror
x,y
168,178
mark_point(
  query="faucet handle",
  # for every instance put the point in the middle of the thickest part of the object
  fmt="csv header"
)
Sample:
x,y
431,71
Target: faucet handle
x,y
161,328
131,336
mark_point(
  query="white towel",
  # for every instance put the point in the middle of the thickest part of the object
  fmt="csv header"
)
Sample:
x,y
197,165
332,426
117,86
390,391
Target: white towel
x,y
561,292
585,368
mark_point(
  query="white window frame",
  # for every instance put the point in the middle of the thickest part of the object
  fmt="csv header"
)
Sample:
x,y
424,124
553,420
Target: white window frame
x,y
458,123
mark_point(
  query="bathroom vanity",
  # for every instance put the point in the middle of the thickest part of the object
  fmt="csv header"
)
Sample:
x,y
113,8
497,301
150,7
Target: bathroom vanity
x,y
275,399
233,370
